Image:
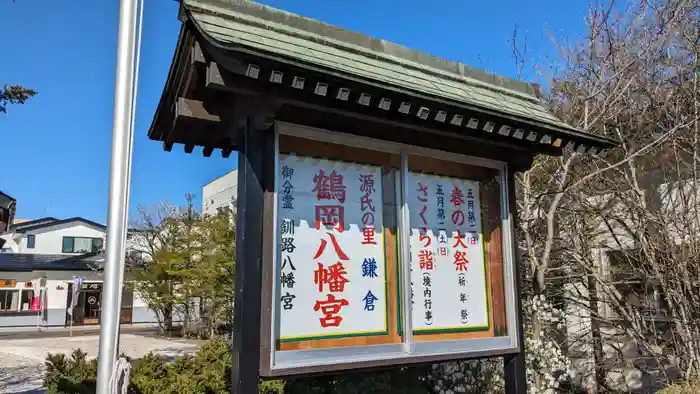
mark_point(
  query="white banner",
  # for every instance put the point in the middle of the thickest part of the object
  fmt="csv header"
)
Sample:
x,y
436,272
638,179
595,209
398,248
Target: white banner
x,y
77,286
330,249
448,272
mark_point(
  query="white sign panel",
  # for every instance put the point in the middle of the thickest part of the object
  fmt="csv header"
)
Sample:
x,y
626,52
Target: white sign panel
x,y
448,273
330,249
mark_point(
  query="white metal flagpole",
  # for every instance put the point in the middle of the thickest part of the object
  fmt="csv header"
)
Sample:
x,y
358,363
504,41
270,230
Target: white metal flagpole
x,y
118,196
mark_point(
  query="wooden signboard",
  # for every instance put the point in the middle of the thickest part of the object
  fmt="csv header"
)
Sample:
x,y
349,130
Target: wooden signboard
x,y
345,214
330,224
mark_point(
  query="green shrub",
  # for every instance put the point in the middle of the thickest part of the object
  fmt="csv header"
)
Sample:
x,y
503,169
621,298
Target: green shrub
x,y
150,374
75,374
209,372
272,387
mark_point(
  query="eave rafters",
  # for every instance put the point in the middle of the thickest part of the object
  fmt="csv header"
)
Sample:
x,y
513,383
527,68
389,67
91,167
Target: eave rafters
x,y
205,76
188,106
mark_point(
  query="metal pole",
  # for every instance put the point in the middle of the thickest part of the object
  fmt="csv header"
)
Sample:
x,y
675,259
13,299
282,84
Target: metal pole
x,y
118,195
133,72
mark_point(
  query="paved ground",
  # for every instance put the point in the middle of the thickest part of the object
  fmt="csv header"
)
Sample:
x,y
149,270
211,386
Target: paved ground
x,y
22,360
53,332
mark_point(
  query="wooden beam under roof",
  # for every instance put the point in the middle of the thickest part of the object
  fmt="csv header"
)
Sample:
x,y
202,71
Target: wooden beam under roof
x,y
186,72
196,110
197,56
308,99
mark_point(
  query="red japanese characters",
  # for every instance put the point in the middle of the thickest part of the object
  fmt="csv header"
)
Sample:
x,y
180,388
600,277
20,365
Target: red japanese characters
x,y
448,277
330,308
334,277
330,261
460,257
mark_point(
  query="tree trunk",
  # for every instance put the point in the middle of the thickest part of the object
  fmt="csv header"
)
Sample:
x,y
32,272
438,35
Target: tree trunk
x,y
168,318
203,329
186,319
597,339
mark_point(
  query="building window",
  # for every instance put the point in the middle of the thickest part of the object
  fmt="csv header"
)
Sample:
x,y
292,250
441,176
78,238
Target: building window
x,y
637,290
16,300
26,302
31,241
9,300
81,244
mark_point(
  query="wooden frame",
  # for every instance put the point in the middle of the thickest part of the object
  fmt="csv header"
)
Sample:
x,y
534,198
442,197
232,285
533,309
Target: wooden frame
x,y
388,162
322,355
226,94
493,246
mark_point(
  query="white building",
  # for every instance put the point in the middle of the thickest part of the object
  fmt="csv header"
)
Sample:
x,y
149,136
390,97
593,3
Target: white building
x,y
52,236
220,194
674,207
38,264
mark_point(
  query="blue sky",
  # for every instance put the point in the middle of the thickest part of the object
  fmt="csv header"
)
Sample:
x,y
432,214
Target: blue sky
x,y
56,148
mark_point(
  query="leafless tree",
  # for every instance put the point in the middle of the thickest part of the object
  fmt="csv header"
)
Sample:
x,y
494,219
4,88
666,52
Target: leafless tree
x,y
634,78
145,242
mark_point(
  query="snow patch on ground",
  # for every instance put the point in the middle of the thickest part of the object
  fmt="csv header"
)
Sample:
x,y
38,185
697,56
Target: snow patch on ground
x,y
22,360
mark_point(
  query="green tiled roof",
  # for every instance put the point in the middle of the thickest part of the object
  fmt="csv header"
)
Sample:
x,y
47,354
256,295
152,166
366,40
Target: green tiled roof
x,y
291,38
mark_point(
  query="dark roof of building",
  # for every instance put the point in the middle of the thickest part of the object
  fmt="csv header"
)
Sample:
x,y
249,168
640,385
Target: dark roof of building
x,y
28,262
29,223
51,221
6,200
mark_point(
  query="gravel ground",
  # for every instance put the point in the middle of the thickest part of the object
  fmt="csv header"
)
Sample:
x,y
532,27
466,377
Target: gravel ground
x,y
22,360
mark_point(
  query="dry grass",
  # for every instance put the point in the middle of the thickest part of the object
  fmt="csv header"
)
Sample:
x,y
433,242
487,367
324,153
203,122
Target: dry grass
x,y
684,388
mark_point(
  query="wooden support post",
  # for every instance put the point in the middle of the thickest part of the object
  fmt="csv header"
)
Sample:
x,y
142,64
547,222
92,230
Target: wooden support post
x,y
245,370
514,364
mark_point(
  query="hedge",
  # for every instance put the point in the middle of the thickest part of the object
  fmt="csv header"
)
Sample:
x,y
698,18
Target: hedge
x,y
208,371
